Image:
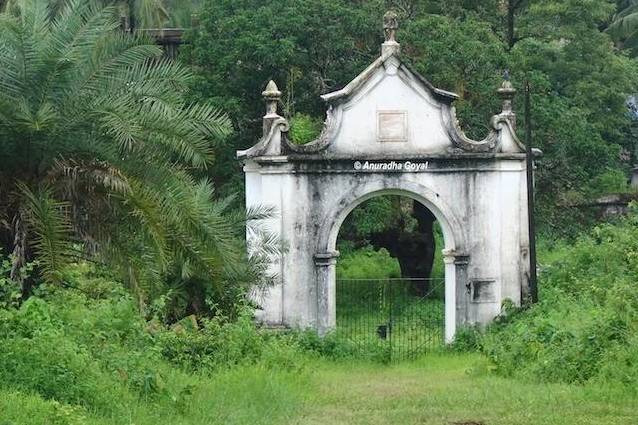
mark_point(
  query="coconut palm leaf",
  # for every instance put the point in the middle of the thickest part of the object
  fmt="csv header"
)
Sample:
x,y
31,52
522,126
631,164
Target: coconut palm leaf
x,y
49,229
96,126
623,28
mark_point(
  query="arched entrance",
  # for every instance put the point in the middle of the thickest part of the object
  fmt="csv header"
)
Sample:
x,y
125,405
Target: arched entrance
x,y
327,252
389,131
390,278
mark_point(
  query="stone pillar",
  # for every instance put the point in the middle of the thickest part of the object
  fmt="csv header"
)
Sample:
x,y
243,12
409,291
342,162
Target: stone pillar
x,y
325,271
456,296
450,297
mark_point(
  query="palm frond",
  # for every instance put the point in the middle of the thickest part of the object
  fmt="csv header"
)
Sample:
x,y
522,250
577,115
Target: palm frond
x,y
624,24
100,122
151,13
51,231
255,214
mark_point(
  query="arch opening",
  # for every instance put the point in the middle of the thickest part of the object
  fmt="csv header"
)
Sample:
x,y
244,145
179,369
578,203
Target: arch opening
x,y
449,227
390,278
400,236
428,292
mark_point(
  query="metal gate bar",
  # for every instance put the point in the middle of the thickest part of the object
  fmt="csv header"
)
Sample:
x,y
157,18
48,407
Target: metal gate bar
x,y
394,319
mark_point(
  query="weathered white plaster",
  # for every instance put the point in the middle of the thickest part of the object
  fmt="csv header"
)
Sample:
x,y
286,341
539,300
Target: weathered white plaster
x,y
476,190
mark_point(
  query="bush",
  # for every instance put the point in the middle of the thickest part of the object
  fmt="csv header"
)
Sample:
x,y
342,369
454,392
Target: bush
x,y
9,291
85,346
467,339
304,128
611,181
19,409
216,344
583,329
86,355
37,356
367,263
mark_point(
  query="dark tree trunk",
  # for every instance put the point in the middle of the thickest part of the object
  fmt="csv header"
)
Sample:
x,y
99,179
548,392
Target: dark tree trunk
x,y
511,8
20,257
414,250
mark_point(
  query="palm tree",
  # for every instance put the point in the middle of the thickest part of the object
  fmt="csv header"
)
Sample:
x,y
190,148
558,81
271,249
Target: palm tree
x,y
138,13
623,28
101,156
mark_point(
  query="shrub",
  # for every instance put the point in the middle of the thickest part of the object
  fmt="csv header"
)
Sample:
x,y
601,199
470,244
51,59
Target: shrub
x,y
304,128
610,181
583,329
37,356
87,345
10,295
219,343
17,409
367,263
466,339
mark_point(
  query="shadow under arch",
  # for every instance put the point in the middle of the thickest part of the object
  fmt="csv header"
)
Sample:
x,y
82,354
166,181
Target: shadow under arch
x,y
452,232
453,236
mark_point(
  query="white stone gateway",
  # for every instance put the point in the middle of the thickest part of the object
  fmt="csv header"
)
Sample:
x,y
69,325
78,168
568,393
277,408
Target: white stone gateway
x,y
389,131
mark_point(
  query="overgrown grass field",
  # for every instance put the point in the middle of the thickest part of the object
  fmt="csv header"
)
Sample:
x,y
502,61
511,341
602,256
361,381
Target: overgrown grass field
x,y
436,389
85,355
452,389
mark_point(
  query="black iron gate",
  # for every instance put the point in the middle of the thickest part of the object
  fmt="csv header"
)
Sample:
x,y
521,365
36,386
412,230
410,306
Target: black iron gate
x,y
392,319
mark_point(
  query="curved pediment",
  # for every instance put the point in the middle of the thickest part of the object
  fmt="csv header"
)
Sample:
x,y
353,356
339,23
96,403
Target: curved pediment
x,y
389,109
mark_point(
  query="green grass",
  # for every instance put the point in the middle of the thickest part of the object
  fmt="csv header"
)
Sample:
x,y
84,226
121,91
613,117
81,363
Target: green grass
x,y
242,395
436,389
449,389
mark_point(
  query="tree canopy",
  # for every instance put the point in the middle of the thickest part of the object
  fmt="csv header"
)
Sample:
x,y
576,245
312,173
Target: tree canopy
x,y
581,81
103,155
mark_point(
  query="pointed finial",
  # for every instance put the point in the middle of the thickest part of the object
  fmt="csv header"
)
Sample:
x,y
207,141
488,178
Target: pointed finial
x,y
390,25
506,92
271,95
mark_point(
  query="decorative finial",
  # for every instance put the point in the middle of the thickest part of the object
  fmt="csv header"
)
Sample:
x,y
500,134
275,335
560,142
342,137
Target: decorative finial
x,y
271,95
390,26
507,92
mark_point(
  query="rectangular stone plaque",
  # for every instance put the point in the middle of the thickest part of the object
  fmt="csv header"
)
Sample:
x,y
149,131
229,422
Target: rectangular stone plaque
x,y
392,126
483,291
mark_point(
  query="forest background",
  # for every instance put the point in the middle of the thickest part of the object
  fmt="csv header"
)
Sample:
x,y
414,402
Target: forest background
x,y
124,272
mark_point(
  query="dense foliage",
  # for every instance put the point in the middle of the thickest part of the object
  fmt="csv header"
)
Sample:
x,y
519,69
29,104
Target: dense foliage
x,y
585,327
102,156
580,80
367,263
86,356
83,354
